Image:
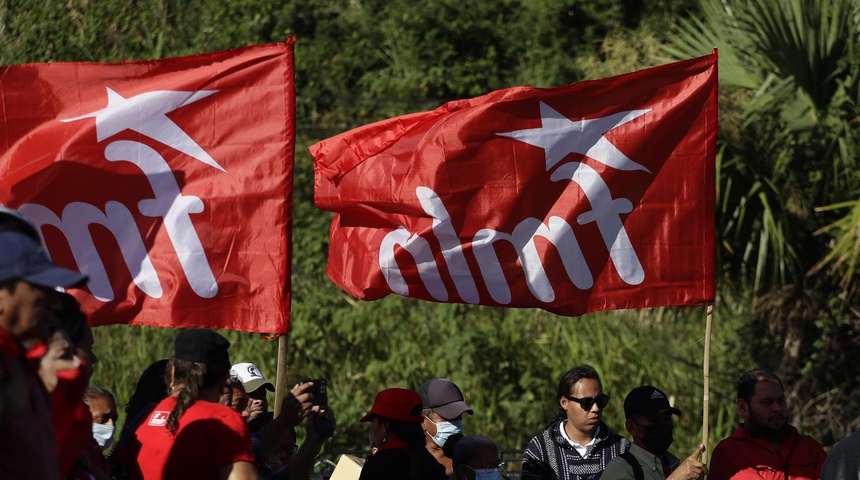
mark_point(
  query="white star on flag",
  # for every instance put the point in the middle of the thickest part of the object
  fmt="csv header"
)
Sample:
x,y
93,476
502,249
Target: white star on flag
x,y
559,136
147,114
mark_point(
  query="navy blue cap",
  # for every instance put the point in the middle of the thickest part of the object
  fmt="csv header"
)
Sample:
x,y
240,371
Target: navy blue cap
x,y
23,258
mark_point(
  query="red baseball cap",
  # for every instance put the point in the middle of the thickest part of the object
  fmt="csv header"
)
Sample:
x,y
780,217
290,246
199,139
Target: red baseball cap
x,y
397,404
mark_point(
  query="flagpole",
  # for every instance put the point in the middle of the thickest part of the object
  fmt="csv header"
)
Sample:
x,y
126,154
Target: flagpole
x,y
281,379
707,367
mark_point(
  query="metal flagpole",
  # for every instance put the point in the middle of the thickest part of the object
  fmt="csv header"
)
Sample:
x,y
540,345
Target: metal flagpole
x,y
281,379
707,367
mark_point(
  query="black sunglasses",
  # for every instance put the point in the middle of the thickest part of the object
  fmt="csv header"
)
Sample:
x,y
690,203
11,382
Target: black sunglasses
x,y
586,403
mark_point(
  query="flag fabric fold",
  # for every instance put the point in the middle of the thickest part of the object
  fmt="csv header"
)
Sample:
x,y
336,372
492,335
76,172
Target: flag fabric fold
x,y
168,182
592,196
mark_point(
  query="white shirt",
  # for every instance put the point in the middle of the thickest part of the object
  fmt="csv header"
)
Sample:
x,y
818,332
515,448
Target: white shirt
x,y
584,450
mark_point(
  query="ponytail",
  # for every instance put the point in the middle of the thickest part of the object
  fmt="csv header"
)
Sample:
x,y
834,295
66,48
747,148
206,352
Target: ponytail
x,y
193,376
190,375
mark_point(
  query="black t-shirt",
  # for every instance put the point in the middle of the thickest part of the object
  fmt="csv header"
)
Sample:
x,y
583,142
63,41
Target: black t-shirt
x,y
394,464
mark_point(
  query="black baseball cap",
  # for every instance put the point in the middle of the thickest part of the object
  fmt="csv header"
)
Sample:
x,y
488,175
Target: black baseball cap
x,y
203,346
647,401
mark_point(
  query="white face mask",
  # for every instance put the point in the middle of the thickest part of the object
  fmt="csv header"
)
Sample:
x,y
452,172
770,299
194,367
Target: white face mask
x,y
445,429
103,435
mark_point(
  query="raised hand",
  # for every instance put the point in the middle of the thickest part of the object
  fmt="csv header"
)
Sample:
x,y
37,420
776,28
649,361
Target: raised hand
x,y
691,468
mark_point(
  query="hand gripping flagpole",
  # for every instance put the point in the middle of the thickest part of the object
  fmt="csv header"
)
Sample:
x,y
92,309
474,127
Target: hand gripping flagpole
x,y
706,383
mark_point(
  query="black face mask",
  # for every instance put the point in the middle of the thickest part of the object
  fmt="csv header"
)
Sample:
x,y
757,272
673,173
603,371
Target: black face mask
x,y
658,437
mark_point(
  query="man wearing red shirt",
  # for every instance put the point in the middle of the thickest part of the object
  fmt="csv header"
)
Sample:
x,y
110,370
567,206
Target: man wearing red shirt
x,y
765,446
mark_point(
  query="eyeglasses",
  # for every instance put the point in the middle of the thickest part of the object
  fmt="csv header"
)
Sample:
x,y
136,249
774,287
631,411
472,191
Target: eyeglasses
x,y
586,403
489,468
289,448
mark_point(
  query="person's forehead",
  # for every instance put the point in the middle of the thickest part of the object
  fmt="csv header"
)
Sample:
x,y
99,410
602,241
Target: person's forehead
x,y
586,384
102,403
767,388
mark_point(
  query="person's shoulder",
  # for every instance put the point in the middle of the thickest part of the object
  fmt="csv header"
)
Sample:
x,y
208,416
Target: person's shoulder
x,y
221,412
617,469
732,441
430,467
848,446
546,436
805,442
608,435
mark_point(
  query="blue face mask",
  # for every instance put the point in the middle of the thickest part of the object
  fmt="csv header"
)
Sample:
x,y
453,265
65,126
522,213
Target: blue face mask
x,y
445,429
483,474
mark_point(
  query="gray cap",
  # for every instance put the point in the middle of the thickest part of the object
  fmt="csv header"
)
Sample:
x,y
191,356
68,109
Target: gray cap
x,y
443,397
23,258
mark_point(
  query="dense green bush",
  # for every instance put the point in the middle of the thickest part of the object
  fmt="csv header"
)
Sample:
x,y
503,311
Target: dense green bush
x,y
359,61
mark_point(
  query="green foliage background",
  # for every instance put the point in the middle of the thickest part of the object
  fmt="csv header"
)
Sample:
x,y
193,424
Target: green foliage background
x,y
358,61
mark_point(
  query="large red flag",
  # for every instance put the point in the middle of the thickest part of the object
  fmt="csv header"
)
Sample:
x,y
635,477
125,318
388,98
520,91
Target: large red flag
x,y
592,196
168,182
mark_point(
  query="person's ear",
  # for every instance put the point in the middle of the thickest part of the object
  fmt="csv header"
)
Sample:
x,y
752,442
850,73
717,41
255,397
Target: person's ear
x,y
564,403
743,407
631,427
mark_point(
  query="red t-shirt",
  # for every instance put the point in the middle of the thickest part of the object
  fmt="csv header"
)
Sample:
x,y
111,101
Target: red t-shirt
x,y
210,436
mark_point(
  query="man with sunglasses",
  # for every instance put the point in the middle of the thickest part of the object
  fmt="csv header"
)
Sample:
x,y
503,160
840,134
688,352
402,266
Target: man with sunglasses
x,y
649,422
577,444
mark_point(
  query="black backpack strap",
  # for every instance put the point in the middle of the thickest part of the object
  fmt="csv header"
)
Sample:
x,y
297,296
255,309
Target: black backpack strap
x,y
637,469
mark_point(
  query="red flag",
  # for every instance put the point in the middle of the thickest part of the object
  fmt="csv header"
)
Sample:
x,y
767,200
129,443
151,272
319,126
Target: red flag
x,y
592,196
168,182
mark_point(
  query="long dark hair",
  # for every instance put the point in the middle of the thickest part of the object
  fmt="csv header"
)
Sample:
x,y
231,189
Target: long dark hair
x,y
151,388
194,377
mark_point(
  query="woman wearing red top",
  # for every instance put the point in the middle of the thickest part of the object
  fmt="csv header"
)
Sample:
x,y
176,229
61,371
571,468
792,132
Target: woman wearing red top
x,y
189,435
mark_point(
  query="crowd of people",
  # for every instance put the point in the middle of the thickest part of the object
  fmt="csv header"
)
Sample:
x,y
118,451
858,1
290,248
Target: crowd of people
x,y
198,415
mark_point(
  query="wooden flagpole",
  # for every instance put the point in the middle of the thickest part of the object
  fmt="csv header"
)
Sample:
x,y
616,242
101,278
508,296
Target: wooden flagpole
x,y
281,379
706,383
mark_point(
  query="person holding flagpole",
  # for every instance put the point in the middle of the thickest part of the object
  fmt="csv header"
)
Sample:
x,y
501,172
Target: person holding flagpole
x,y
649,421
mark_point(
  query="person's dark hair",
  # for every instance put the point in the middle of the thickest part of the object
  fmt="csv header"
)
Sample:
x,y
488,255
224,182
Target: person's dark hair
x,y
93,391
748,381
465,449
193,376
70,317
151,388
568,380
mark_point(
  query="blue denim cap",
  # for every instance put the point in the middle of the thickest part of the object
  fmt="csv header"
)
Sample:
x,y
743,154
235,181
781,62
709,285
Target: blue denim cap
x,y
23,258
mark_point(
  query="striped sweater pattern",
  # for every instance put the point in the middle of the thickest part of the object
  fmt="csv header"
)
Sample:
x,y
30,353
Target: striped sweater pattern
x,y
550,457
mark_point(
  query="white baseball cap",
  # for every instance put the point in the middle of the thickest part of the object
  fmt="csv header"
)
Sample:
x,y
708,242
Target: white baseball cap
x,y
251,377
